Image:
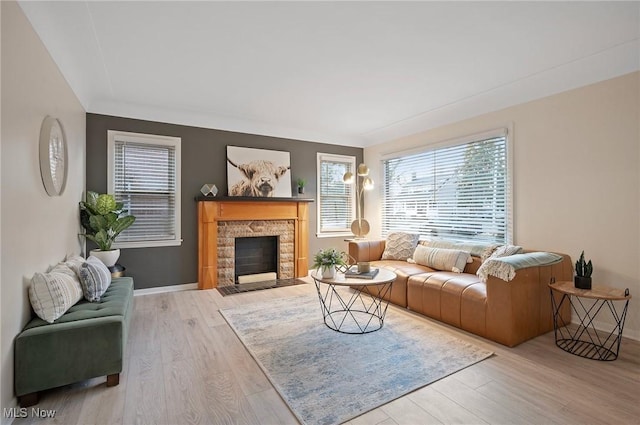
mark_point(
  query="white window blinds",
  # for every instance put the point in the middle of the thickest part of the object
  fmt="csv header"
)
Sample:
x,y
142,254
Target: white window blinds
x,y
145,177
456,192
336,200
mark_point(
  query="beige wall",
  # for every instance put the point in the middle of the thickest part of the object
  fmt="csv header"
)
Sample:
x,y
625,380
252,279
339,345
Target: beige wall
x,y
576,176
37,230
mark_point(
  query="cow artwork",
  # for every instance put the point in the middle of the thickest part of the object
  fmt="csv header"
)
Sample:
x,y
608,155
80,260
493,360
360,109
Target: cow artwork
x,y
258,172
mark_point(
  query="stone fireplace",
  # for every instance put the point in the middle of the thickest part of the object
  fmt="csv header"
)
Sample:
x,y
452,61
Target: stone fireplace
x,y
222,220
229,231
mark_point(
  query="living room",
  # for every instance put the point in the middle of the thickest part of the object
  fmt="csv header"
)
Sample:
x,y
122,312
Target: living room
x,y
575,161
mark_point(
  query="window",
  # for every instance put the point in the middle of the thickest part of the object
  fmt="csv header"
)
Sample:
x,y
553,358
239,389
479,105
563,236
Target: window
x,y
144,174
336,200
460,190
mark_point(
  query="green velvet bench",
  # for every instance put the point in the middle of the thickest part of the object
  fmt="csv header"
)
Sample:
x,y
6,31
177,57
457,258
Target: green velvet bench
x,y
86,342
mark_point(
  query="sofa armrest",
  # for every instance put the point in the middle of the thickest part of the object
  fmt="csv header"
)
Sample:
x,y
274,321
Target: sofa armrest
x,y
366,250
520,309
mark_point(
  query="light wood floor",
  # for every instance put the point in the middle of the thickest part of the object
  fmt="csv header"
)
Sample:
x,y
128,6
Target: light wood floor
x,y
184,365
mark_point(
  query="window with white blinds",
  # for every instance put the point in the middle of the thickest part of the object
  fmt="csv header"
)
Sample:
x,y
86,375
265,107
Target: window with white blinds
x,y
336,200
144,174
460,191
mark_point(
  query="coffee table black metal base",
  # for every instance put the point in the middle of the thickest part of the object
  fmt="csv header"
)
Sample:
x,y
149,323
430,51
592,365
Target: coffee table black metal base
x,y
359,311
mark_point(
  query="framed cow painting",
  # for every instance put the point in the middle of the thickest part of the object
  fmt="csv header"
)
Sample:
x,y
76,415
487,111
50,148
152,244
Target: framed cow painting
x,y
258,172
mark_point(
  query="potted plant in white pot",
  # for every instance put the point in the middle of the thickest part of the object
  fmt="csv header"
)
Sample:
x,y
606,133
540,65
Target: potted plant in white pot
x,y
103,219
326,260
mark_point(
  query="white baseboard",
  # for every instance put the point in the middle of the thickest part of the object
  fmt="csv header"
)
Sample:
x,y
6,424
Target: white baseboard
x,y
163,289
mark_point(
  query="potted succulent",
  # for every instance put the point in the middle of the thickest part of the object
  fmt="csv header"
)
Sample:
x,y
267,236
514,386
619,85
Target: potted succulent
x,y
301,183
103,219
326,260
582,279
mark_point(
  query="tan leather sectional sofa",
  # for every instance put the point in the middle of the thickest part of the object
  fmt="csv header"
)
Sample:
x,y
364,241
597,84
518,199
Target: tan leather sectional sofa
x,y
506,312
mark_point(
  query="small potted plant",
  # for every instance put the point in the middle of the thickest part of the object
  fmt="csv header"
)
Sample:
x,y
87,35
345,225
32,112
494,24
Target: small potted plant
x,y
103,219
326,260
582,279
301,183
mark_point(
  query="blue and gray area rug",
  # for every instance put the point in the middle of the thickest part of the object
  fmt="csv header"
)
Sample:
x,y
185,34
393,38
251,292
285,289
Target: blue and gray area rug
x,y
327,377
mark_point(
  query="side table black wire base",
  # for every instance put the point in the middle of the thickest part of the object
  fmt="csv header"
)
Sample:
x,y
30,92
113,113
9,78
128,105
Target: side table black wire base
x,y
585,340
355,311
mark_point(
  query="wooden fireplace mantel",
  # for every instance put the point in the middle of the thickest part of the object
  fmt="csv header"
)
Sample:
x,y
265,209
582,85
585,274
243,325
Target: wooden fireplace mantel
x,y
211,211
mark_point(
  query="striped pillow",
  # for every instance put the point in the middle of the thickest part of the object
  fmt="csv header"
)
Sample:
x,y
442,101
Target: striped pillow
x,y
95,278
52,294
442,258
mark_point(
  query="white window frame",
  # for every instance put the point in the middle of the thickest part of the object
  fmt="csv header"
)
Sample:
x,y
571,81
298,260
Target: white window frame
x,y
351,161
153,140
506,132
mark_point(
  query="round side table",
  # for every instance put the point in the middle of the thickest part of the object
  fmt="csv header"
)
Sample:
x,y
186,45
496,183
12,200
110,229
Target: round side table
x,y
586,340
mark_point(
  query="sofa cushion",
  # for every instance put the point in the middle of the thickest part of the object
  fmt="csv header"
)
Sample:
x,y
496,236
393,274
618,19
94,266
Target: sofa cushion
x,y
52,294
94,278
400,246
403,271
441,258
114,302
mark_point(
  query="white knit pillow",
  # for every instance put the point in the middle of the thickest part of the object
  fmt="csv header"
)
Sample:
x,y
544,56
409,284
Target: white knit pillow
x,y
400,246
52,294
488,267
442,258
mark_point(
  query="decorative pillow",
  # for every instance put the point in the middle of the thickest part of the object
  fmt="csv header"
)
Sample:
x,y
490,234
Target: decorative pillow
x,y
506,250
95,278
400,246
476,249
74,263
489,268
52,294
442,258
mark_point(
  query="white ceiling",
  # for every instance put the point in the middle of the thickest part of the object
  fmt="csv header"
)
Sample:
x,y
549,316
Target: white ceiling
x,y
351,73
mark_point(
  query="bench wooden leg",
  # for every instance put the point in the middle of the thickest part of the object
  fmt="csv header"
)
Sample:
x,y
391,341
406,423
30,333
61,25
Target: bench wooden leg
x,y
113,380
28,399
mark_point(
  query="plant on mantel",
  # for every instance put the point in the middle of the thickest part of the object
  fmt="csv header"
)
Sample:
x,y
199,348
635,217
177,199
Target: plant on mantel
x,y
301,183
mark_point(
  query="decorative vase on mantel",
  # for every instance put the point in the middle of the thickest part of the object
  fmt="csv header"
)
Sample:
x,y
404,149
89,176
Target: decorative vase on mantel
x,y
108,257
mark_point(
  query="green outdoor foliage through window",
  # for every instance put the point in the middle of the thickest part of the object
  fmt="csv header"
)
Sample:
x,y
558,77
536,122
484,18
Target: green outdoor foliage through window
x,y
456,192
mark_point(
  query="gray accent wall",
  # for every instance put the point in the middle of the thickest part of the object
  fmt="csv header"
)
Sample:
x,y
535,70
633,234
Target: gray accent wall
x,y
203,161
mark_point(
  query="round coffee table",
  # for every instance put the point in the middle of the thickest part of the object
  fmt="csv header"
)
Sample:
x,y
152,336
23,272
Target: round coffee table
x,y
359,311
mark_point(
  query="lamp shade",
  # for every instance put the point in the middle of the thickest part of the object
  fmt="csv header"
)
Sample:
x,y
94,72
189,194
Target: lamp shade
x,y
363,170
367,184
348,178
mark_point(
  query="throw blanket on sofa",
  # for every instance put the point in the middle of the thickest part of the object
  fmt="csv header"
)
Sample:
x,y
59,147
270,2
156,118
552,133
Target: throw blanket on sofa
x,y
505,267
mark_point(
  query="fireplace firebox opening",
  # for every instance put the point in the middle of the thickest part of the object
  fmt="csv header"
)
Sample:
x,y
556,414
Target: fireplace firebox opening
x,y
256,255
